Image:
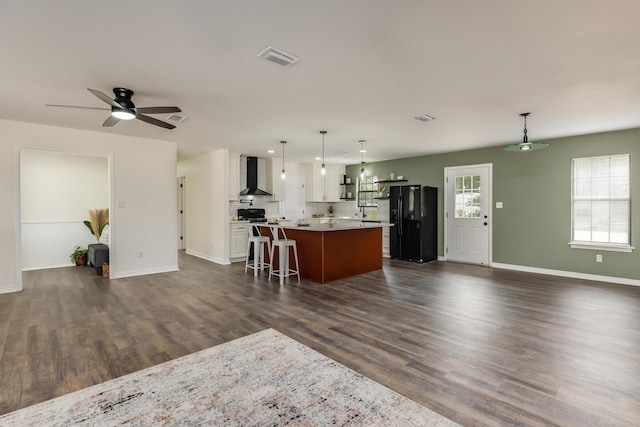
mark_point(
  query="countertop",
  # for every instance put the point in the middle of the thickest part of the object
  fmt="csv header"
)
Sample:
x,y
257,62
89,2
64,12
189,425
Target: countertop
x,y
349,225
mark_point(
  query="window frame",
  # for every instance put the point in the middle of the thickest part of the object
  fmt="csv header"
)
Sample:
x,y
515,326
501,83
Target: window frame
x,y
602,246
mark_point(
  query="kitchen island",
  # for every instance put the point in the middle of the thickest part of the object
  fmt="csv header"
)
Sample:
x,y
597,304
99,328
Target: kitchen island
x,y
329,252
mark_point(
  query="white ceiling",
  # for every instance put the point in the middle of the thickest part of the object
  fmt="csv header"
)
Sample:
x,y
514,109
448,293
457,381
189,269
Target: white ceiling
x,y
367,68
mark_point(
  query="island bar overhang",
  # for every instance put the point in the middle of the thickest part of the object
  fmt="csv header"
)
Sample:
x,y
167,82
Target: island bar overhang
x,y
327,253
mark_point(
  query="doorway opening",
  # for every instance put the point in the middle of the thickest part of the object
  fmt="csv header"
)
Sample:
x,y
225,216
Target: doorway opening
x,y
56,190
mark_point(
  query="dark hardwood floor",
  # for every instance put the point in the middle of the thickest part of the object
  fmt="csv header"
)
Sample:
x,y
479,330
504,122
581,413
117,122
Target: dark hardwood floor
x,y
478,345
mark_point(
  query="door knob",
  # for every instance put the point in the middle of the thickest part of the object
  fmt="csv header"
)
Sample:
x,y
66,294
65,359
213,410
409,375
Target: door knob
x,y
485,223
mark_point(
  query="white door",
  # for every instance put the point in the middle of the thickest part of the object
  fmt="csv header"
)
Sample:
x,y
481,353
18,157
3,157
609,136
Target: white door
x,y
467,213
294,199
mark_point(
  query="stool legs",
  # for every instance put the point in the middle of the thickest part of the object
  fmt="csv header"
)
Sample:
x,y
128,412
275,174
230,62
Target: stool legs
x,y
284,269
258,256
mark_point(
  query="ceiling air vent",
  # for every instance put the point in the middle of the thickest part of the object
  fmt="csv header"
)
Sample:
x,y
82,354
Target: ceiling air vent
x,y
175,118
278,56
425,118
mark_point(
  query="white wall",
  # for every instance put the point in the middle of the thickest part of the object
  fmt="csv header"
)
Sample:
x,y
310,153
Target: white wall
x,y
207,205
143,214
56,192
58,186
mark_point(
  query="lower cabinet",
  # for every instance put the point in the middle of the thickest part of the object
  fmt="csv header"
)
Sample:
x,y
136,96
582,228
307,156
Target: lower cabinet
x,y
238,240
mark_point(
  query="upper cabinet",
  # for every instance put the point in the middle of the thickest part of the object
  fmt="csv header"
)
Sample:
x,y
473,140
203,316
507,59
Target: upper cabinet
x,y
275,185
323,188
234,176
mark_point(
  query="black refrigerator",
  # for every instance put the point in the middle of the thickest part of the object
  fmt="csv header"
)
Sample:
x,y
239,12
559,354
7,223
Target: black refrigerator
x,y
414,215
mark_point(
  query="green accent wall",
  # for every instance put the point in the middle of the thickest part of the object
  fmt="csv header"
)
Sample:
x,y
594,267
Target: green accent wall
x,y
534,226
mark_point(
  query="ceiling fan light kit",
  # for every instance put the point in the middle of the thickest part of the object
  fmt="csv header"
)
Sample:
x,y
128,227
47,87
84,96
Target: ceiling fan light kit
x,y
525,145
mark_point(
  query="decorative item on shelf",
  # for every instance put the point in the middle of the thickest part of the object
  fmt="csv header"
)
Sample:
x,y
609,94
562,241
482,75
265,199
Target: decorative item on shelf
x,y
79,256
349,195
381,192
392,176
330,210
400,177
347,180
525,145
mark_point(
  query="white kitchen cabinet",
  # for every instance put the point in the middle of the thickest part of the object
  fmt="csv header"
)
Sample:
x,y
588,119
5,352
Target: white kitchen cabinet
x,y
238,240
323,188
234,176
275,184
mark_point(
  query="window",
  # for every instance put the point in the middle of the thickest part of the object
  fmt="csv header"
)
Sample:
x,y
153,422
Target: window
x,y
467,196
601,202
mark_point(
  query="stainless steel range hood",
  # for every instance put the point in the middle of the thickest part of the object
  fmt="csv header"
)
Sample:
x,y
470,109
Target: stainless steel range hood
x,y
252,179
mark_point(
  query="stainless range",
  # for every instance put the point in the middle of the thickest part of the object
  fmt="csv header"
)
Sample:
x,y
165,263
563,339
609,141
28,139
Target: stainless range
x,y
252,215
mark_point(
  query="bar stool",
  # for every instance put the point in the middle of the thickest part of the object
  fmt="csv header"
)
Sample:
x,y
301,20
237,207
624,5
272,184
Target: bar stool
x,y
258,250
283,244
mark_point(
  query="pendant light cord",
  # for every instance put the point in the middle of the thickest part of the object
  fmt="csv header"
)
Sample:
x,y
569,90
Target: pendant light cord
x,y
323,132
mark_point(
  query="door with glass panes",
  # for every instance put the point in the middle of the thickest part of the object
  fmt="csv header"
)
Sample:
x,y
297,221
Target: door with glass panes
x,y
467,213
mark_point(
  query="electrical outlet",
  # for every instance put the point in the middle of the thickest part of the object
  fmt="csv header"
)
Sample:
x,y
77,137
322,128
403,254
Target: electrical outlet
x,y
598,258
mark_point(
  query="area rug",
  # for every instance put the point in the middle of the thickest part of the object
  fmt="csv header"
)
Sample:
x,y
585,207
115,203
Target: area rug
x,y
265,379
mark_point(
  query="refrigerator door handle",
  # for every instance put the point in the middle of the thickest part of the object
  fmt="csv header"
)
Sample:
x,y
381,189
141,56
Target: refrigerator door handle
x,y
399,215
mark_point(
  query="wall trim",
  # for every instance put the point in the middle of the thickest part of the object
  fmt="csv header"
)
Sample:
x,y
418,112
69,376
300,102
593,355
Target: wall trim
x,y
144,272
217,260
7,289
46,267
571,274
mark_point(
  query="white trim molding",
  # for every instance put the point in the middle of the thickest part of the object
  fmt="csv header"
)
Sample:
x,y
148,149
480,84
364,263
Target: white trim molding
x,y
610,247
7,289
571,274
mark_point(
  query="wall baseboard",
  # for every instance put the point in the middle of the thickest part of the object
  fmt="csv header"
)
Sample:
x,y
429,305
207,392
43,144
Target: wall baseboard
x,y
571,274
221,261
144,272
7,289
44,267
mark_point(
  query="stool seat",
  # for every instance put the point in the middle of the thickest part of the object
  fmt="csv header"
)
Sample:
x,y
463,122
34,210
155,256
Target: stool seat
x,y
283,245
258,242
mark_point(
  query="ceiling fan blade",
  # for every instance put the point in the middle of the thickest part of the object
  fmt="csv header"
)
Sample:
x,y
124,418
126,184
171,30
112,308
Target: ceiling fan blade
x,y
111,120
153,121
105,98
77,106
158,110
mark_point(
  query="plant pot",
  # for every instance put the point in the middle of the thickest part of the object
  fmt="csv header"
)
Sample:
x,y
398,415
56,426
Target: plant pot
x,y
81,260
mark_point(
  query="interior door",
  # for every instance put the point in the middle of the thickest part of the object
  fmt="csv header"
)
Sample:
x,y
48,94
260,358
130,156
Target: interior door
x,y
294,200
467,213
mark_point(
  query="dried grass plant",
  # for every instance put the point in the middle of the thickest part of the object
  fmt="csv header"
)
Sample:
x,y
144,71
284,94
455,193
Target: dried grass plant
x,y
97,220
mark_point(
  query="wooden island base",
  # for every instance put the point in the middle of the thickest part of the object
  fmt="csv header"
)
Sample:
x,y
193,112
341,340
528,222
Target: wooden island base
x,y
331,254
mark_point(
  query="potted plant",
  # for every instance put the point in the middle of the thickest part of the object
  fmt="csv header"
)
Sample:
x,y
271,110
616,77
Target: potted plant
x,y
79,256
330,210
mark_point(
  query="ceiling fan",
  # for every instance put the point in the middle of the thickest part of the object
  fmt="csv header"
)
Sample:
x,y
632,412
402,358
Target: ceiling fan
x,y
122,108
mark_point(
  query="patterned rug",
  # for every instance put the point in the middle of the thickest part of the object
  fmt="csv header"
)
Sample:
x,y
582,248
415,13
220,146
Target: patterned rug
x,y
263,379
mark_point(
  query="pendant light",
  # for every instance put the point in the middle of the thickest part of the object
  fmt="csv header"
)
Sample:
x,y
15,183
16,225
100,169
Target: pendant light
x,y
283,176
324,169
362,151
525,145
